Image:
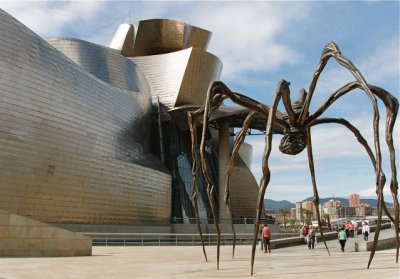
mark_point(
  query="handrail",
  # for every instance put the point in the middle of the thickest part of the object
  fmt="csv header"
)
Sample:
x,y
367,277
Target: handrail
x,y
147,239
158,239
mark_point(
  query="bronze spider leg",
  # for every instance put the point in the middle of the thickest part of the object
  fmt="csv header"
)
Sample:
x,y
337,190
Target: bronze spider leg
x,y
238,143
282,86
192,121
215,96
272,119
213,100
294,123
362,141
248,103
392,106
204,166
314,184
195,191
332,50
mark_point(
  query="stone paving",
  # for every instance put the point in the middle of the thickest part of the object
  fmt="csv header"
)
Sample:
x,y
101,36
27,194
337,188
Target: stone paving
x,y
188,262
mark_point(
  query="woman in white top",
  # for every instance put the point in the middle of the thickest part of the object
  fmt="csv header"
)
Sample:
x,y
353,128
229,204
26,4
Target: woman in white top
x,y
365,231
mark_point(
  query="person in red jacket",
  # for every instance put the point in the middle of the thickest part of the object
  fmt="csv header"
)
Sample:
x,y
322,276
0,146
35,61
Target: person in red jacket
x,y
266,236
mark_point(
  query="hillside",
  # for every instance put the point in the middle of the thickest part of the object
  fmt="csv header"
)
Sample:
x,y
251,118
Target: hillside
x,y
276,205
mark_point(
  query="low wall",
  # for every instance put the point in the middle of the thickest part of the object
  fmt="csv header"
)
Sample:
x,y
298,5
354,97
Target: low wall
x,y
21,236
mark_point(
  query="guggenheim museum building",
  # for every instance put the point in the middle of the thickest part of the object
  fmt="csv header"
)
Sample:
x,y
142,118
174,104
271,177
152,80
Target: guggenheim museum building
x,y
94,135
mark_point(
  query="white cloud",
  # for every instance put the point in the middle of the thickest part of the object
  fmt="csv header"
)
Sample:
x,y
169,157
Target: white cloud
x,y
247,35
378,66
371,192
382,63
48,18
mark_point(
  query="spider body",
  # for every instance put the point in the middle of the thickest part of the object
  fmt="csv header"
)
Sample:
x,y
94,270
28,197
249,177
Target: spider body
x,y
293,141
295,126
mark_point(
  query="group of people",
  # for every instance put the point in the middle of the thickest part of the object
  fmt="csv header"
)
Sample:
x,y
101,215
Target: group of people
x,y
349,230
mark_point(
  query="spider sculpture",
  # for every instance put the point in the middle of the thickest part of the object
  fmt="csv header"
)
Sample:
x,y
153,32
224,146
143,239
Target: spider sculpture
x,y
295,125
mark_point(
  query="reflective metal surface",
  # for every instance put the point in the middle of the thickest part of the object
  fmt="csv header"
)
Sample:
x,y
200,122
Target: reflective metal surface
x,y
76,122
106,64
180,77
124,39
158,36
68,139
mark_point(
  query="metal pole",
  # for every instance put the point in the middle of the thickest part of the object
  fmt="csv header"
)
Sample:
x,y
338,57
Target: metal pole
x,y
156,102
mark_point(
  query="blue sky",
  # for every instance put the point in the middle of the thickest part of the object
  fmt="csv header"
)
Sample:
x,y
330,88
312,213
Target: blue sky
x,y
259,43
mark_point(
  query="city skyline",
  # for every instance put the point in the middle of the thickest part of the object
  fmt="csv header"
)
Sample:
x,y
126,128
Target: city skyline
x,y
261,46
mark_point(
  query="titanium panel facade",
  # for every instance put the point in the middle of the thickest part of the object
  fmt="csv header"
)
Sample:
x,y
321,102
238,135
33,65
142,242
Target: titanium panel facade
x,y
70,142
244,190
159,36
105,63
180,77
78,131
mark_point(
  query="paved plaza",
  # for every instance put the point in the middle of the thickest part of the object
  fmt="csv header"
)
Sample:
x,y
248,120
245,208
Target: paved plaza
x,y
188,262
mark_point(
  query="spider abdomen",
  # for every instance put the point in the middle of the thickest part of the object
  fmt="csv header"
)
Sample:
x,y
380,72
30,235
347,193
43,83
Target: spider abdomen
x,y
293,143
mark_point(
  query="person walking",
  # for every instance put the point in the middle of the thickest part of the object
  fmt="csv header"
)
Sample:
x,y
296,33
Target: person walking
x,y
311,237
352,228
261,238
305,234
365,231
266,235
347,229
342,237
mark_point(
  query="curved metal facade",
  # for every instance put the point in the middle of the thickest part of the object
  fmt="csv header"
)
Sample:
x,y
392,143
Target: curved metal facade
x,y
77,124
70,142
180,77
159,36
105,63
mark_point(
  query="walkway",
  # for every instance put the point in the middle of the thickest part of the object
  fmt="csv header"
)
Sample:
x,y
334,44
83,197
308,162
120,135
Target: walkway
x,y
188,262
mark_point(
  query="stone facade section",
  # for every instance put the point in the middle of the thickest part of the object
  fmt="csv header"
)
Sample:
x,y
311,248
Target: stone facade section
x,y
21,236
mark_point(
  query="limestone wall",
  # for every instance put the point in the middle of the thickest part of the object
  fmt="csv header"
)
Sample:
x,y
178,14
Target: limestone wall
x,y
21,236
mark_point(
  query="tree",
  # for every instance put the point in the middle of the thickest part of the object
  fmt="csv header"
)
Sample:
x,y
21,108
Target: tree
x,y
308,215
285,213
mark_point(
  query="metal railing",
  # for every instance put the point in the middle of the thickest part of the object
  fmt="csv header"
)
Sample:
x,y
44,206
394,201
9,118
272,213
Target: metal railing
x,y
172,239
236,220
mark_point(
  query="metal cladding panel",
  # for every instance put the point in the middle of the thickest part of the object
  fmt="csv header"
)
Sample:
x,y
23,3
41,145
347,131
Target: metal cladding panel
x,y
164,74
244,190
181,77
124,39
105,63
202,69
246,153
67,138
159,36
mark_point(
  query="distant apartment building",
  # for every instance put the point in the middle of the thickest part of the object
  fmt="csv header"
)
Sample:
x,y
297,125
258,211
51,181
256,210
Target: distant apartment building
x,y
293,215
335,209
363,210
354,200
309,205
332,204
298,211
346,211
331,211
